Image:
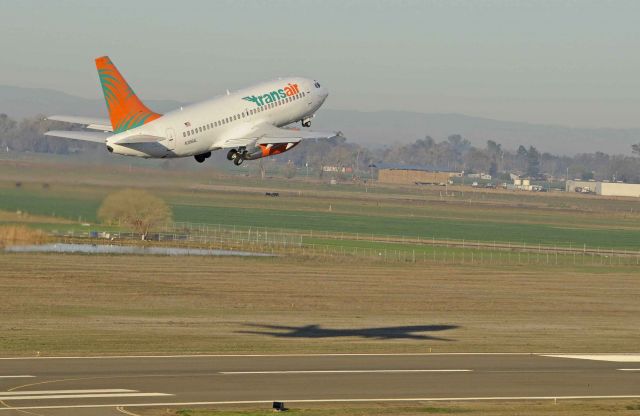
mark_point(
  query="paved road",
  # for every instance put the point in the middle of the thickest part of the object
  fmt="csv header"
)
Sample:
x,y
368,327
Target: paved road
x,y
96,386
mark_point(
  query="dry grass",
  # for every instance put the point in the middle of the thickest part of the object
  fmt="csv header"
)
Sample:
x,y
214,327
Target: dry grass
x,y
80,304
537,408
12,235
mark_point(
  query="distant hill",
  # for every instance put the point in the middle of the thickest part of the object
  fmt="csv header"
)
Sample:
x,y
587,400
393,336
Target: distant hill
x,y
19,102
390,127
369,128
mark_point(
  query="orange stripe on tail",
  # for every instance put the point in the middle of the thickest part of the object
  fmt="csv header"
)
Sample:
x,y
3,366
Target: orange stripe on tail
x,y
125,108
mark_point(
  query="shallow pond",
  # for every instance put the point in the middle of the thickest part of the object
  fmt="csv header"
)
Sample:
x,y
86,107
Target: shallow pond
x,y
114,249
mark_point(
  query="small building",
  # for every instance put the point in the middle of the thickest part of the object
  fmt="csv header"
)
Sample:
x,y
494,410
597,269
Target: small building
x,y
409,175
524,185
339,169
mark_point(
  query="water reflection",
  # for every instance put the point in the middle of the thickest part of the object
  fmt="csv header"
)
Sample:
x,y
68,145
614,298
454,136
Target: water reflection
x,y
114,249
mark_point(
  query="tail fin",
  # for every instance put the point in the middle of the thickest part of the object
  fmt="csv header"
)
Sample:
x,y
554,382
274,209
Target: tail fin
x,y
125,108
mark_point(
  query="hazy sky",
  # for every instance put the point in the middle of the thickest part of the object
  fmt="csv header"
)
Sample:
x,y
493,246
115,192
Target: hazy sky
x,y
574,63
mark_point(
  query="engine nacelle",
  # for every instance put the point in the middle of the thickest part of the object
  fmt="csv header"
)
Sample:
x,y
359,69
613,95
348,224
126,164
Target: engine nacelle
x,y
265,150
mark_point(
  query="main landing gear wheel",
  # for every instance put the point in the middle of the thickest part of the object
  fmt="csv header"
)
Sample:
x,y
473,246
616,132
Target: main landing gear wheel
x,y
238,160
201,158
306,122
232,154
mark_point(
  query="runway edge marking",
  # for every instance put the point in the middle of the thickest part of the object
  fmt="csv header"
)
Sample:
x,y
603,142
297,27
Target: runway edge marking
x,y
422,399
416,354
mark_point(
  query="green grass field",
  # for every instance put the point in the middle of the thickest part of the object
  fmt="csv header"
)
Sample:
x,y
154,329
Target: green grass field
x,y
411,212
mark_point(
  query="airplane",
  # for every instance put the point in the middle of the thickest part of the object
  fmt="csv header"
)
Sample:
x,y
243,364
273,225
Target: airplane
x,y
249,122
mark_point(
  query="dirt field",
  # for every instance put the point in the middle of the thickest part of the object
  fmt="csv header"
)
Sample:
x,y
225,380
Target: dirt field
x,y
81,304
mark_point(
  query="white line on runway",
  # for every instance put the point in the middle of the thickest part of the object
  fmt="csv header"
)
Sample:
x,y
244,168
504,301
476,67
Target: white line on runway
x,y
620,358
628,369
83,396
23,376
34,392
339,371
410,399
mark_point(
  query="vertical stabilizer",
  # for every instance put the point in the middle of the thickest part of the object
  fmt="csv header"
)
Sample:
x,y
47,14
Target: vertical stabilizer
x,y
125,108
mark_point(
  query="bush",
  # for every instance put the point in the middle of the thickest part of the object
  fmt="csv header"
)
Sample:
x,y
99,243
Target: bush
x,y
139,210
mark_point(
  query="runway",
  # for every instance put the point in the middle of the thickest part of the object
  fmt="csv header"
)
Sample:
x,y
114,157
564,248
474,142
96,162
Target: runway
x,y
99,385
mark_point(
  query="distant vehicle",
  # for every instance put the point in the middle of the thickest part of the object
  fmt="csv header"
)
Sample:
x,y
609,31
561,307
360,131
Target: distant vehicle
x,y
475,184
490,186
248,122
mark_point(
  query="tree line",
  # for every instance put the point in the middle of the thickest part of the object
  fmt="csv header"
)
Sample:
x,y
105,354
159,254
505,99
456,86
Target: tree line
x,y
454,153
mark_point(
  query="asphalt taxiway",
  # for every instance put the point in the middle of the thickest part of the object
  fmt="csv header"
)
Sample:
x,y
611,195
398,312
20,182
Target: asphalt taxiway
x,y
117,385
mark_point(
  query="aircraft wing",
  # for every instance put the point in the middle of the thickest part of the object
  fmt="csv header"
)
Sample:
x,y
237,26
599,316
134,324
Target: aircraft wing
x,y
87,136
270,134
93,123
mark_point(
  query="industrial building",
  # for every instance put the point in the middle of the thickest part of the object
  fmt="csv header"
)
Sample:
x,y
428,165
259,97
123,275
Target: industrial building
x,y
604,188
618,189
410,175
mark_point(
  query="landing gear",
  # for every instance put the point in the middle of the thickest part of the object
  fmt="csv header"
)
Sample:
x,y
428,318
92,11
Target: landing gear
x,y
238,156
201,158
306,122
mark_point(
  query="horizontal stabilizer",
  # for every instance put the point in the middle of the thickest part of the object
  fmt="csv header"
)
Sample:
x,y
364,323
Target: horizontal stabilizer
x,y
94,123
139,138
87,136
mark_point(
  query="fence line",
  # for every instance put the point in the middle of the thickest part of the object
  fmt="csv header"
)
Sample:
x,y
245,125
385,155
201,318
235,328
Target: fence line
x,y
429,254
299,236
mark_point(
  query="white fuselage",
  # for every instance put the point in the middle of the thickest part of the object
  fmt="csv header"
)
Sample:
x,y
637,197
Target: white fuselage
x,y
214,124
